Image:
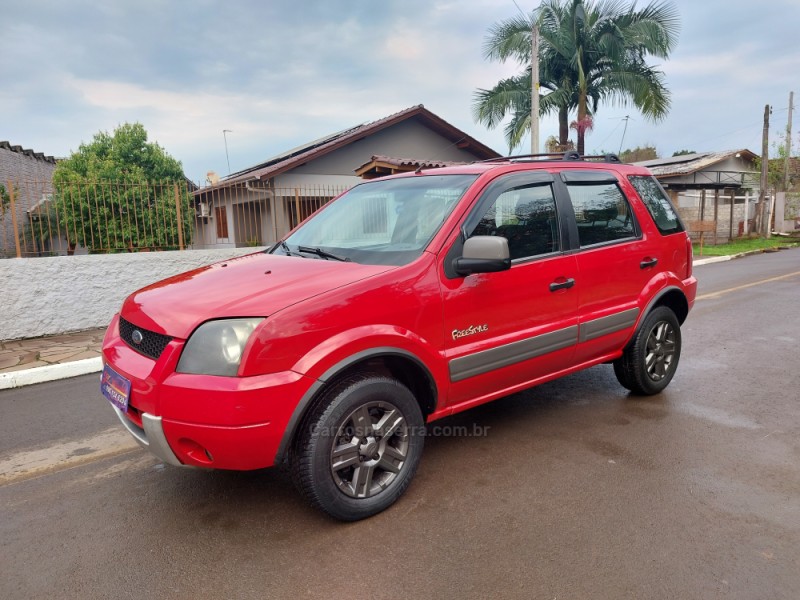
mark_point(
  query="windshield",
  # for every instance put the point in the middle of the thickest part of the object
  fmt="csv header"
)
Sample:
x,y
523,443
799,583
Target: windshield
x,y
382,222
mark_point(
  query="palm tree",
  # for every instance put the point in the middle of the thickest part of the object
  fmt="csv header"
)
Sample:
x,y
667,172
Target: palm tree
x,y
589,52
512,96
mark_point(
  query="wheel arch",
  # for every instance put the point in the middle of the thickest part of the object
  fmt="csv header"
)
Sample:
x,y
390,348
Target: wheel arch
x,y
397,363
673,298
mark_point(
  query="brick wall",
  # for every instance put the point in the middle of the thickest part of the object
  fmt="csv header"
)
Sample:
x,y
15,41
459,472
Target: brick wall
x,y
689,210
723,221
30,173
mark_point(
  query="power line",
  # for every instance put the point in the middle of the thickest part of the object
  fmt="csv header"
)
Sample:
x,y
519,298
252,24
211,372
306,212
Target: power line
x,y
603,143
753,126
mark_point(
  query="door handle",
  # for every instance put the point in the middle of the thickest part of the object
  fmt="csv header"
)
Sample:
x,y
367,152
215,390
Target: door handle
x,y
648,262
562,285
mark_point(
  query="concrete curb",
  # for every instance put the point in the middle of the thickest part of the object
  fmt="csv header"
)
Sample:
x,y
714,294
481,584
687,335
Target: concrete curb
x,y
17,379
715,259
712,260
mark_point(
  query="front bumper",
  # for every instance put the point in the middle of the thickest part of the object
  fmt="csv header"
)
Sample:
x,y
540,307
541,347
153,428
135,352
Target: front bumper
x,y
188,444
150,436
232,423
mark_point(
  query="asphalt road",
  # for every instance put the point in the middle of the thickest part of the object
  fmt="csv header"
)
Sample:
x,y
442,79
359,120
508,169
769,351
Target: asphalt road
x,y
576,491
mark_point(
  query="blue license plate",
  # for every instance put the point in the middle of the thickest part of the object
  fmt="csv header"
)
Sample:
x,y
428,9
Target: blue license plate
x,y
116,388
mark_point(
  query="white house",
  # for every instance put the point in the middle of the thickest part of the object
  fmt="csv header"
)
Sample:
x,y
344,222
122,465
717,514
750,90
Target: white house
x,y
258,205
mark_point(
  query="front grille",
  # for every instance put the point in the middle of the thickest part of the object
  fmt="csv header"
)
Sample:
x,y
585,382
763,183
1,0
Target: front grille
x,y
152,344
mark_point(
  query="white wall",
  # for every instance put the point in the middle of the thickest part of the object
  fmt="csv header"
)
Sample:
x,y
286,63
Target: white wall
x,y
44,296
787,212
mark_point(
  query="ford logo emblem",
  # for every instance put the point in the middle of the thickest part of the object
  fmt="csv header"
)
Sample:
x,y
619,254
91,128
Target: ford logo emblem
x,y
136,336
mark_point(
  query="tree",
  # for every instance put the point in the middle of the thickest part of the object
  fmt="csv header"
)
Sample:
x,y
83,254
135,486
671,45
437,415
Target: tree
x,y
118,192
512,96
5,199
775,170
590,52
553,145
638,154
684,152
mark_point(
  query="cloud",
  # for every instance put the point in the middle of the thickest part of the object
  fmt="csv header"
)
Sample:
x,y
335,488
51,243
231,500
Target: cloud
x,y
282,73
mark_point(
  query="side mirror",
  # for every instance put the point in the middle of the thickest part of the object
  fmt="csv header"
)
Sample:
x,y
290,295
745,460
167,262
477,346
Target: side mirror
x,y
483,254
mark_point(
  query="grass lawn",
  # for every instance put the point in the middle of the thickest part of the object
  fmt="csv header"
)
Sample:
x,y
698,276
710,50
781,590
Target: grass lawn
x,y
744,245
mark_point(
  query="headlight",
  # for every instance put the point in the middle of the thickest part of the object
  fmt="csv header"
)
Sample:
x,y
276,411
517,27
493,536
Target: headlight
x,y
216,347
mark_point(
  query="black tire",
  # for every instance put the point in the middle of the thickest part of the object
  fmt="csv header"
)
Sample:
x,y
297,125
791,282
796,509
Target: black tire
x,y
649,362
359,447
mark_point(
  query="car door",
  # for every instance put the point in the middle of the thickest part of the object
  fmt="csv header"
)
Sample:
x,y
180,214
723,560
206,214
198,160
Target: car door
x,y
506,329
616,262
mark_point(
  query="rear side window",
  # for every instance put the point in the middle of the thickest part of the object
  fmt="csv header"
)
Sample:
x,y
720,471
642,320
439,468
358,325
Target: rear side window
x,y
602,213
657,203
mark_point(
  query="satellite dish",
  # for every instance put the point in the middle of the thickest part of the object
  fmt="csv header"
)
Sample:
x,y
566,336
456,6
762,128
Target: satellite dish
x,y
212,178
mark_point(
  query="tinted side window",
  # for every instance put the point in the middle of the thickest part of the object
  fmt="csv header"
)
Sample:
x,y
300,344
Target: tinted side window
x,y
602,213
526,217
657,203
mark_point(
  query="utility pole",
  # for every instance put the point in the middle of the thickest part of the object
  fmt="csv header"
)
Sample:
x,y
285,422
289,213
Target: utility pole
x,y
761,213
534,86
534,79
624,131
788,145
225,131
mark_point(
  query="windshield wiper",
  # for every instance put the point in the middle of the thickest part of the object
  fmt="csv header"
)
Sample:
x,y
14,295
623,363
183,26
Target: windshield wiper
x,y
285,247
322,253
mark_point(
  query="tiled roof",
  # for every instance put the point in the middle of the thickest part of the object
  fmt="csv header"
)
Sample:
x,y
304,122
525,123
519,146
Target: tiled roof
x,y
687,164
380,166
27,152
411,162
293,158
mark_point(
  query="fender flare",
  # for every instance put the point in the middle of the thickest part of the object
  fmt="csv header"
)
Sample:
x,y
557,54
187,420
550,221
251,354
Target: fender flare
x,y
307,399
652,304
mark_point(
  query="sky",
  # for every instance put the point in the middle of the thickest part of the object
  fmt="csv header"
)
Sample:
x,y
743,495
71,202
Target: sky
x,y
280,73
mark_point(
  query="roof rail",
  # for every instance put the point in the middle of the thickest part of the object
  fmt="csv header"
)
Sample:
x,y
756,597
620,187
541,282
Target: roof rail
x,y
608,157
570,155
550,155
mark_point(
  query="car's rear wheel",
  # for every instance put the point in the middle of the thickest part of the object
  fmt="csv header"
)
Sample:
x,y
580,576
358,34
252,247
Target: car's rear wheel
x,y
359,448
651,359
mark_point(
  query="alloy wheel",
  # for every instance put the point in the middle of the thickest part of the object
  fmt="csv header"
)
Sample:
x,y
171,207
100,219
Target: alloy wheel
x,y
370,449
660,350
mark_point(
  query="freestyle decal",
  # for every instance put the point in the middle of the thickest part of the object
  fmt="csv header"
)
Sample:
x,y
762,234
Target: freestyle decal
x,y
471,330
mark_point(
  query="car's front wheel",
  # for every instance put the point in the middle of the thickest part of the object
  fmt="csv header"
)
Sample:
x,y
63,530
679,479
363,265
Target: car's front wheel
x,y
649,362
359,448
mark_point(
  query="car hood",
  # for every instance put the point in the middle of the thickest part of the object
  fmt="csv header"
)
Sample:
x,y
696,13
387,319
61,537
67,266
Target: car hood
x,y
255,285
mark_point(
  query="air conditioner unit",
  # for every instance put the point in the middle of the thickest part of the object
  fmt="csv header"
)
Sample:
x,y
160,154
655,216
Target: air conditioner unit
x,y
202,210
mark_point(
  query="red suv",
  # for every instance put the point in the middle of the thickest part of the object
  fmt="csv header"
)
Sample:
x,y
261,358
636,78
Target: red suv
x,y
405,300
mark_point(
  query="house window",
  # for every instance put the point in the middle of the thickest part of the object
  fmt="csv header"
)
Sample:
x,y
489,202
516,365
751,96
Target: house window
x,y
302,207
375,214
221,214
